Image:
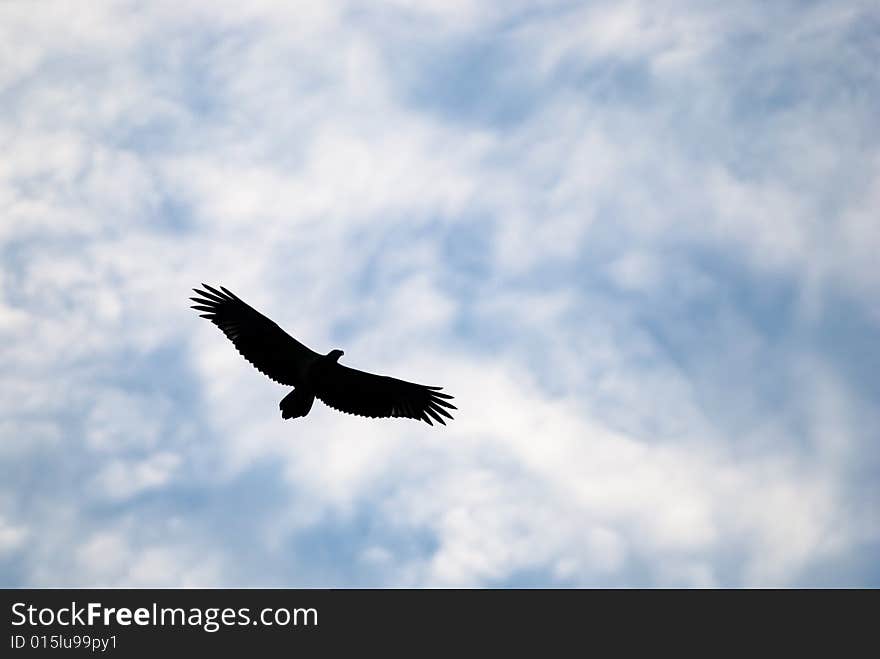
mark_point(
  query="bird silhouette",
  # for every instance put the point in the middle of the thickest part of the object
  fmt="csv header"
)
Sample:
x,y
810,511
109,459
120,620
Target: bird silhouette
x,y
287,361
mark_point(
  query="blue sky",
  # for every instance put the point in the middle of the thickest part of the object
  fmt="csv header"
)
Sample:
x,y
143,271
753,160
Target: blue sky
x,y
636,240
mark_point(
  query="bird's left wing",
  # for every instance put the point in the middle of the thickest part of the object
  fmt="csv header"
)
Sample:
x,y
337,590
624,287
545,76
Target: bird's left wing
x,y
357,392
259,340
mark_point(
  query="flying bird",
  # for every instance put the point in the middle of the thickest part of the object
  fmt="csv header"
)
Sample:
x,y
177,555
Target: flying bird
x,y
287,361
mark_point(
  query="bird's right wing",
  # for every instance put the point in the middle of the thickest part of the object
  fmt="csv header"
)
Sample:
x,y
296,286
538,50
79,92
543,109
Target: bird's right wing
x,y
366,394
259,340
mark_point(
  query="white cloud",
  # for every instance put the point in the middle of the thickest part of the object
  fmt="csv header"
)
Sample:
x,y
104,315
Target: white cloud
x,y
122,479
108,559
11,537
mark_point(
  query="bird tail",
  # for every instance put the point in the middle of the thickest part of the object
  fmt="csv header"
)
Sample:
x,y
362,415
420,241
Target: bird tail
x,y
297,403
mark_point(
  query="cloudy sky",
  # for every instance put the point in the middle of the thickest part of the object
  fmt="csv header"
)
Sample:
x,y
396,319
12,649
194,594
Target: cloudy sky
x,y
637,240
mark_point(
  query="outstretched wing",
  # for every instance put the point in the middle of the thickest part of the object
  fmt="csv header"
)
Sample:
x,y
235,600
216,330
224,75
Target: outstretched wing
x,y
259,340
356,392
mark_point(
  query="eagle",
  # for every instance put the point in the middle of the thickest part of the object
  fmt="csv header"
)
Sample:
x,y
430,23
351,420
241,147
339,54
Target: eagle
x,y
287,361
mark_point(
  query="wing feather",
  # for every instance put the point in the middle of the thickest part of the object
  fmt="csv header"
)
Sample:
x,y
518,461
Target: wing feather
x,y
366,394
259,340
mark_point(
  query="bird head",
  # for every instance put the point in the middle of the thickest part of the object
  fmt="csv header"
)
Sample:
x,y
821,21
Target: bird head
x,y
334,355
